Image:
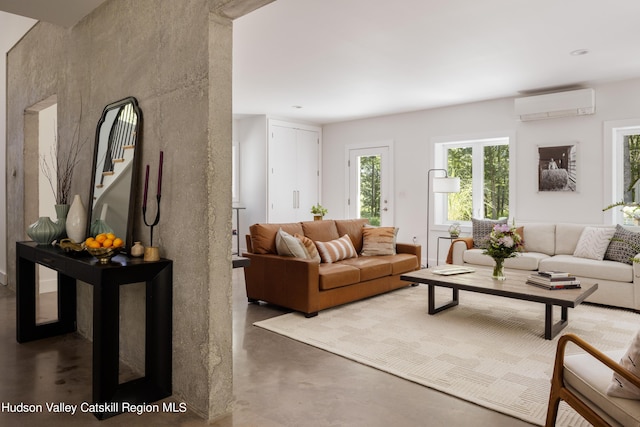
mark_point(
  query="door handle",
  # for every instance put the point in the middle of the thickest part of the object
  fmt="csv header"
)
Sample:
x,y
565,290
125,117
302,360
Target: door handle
x,y
296,199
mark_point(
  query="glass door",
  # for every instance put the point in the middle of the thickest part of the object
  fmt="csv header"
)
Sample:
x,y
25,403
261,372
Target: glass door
x,y
370,194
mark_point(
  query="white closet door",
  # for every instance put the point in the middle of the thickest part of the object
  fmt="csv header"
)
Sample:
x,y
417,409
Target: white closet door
x,y
282,197
308,180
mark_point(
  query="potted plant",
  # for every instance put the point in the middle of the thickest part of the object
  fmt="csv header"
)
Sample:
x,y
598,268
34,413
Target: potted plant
x,y
318,212
454,230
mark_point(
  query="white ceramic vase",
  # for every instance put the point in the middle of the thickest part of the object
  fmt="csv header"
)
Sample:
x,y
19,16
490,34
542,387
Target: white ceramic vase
x,y
137,249
77,220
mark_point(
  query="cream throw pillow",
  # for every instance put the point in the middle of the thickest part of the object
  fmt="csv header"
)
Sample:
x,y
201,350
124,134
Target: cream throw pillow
x,y
594,242
312,251
287,245
620,387
336,250
378,241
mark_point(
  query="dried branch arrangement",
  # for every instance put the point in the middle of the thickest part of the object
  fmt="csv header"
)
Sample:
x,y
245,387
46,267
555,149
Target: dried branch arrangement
x,y
59,168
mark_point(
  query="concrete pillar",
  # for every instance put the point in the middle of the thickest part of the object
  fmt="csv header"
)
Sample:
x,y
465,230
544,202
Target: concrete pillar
x,y
220,357
176,59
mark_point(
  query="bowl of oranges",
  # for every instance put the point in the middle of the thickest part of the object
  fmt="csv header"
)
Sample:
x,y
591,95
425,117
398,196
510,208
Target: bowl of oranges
x,y
104,246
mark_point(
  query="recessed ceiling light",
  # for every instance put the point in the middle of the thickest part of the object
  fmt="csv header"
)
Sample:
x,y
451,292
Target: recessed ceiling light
x,y
296,106
579,52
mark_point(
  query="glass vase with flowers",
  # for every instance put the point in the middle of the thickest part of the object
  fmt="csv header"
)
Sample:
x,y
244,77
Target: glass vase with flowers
x,y
504,242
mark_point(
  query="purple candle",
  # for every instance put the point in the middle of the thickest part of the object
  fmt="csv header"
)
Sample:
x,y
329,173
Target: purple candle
x,y
160,172
146,189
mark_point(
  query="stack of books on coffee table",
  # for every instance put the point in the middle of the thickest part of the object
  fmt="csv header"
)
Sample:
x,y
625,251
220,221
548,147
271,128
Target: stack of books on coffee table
x,y
554,280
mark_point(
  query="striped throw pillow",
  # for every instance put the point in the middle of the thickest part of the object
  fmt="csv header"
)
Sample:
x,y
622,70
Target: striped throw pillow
x,y
308,244
336,250
378,241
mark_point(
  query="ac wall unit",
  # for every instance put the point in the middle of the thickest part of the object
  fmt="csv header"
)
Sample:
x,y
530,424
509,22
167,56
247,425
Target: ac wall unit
x,y
559,104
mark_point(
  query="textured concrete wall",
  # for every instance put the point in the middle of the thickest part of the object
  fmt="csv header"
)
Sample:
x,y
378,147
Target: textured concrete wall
x,y
175,58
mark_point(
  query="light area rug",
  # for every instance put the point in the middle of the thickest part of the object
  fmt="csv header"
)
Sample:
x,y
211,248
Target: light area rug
x,y
488,350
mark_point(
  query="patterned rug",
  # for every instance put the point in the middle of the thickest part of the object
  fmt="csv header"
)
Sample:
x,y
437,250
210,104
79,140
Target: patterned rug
x,y
488,350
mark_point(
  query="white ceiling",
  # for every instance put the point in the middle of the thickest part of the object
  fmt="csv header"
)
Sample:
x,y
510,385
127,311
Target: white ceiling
x,y
348,59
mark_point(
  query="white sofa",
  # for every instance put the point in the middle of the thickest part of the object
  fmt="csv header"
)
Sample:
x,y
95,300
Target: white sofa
x,y
551,247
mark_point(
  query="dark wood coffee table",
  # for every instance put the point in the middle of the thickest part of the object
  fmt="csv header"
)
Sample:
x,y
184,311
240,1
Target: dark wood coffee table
x,y
513,287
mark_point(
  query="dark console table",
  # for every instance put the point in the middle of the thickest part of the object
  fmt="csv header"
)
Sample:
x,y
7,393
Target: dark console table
x,y
106,280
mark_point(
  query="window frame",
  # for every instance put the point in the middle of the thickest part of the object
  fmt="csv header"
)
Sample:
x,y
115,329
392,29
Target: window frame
x,y
477,142
614,133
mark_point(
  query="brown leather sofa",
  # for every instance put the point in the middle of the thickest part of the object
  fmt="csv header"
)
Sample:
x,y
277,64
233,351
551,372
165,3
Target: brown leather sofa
x,y
306,286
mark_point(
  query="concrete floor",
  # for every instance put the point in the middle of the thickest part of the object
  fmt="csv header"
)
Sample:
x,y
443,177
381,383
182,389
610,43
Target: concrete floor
x,y
277,382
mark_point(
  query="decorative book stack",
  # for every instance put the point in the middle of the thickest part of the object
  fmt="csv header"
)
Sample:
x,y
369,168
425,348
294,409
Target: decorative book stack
x,y
554,280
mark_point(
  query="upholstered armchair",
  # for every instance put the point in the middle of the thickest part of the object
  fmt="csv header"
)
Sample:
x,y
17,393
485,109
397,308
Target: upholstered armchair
x,y
582,380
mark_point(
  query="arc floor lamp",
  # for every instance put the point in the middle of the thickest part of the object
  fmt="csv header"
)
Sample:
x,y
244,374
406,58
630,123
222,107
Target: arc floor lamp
x,y
441,184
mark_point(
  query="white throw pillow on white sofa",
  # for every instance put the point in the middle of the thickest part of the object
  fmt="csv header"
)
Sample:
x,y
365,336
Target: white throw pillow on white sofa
x,y
594,242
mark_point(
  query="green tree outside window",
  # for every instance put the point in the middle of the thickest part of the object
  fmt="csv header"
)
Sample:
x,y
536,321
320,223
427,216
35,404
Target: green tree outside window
x,y
494,181
370,189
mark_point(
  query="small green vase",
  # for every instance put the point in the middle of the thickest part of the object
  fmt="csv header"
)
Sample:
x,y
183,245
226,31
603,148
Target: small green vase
x,y
43,231
61,214
99,226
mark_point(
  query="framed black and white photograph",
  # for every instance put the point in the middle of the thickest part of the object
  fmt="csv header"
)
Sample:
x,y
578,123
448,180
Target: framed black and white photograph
x,y
557,168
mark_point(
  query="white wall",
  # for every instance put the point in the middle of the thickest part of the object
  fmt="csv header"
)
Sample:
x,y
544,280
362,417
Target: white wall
x,y
413,134
13,28
251,134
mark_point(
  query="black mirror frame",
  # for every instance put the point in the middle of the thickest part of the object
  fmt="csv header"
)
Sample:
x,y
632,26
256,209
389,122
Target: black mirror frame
x,y
134,172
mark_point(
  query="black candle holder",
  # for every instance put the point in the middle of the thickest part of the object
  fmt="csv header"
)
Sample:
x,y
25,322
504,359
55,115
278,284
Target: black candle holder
x,y
144,203
155,221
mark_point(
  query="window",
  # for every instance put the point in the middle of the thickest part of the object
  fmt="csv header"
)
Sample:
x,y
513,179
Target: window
x,y
369,203
623,184
483,168
631,167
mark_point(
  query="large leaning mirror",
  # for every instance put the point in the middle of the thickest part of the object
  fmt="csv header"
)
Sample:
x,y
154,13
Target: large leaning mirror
x,y
115,168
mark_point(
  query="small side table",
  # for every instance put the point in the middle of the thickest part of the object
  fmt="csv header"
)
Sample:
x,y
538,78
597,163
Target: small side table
x,y
450,239
239,261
